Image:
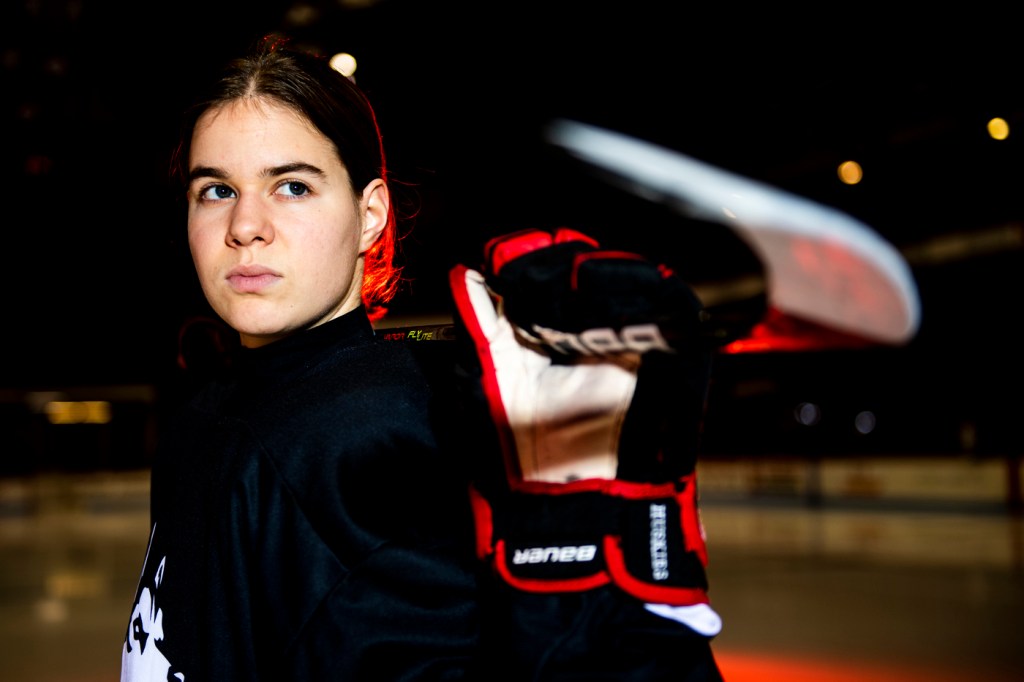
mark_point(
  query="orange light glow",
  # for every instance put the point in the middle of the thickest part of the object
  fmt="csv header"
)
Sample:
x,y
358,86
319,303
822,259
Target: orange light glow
x,y
78,411
779,332
998,128
850,172
751,667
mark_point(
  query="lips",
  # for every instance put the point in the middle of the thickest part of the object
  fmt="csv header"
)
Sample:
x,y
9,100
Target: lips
x,y
251,279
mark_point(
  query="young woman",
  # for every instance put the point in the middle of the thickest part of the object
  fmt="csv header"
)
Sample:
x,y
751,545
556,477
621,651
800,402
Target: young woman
x,y
305,524
309,521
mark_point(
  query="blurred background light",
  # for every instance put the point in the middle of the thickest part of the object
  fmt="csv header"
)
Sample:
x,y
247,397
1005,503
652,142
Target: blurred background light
x,y
344,63
865,422
78,412
807,414
998,129
850,172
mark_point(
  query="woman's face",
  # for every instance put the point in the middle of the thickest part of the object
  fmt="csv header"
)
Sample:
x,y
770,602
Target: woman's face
x,y
275,230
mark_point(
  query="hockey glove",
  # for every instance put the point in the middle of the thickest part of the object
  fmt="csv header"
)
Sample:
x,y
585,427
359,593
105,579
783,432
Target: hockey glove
x,y
587,372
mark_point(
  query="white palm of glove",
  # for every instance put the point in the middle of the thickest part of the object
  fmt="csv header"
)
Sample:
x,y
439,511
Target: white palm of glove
x,y
565,419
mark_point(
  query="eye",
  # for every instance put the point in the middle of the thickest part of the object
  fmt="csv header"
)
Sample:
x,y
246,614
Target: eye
x,y
293,189
216,193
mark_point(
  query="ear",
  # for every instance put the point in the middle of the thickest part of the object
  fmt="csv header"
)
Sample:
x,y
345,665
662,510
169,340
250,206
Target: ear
x,y
376,209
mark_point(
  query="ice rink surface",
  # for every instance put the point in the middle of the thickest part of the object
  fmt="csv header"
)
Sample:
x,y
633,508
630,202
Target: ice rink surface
x,y
823,593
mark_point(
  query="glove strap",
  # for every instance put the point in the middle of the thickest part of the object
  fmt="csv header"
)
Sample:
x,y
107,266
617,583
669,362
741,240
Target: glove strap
x,y
645,539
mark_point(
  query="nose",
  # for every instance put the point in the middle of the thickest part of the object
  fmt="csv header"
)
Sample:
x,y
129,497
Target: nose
x,y
250,222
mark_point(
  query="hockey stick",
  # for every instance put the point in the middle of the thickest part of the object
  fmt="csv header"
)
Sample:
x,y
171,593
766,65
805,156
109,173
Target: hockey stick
x,y
821,265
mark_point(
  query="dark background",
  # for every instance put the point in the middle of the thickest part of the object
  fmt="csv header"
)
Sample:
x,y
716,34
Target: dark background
x,y
98,282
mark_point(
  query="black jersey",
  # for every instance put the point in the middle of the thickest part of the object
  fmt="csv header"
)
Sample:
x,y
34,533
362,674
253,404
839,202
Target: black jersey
x,y
306,525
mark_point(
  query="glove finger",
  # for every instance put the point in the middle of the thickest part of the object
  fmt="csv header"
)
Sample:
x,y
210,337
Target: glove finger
x,y
569,294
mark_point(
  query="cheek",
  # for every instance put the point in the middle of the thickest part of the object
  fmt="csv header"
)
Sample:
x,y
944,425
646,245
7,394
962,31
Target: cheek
x,y
195,245
333,256
338,242
200,245
330,260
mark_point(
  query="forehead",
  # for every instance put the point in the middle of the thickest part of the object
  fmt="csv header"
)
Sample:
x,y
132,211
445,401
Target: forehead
x,y
258,127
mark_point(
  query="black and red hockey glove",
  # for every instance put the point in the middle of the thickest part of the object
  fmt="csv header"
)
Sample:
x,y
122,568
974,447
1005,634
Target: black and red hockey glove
x,y
588,372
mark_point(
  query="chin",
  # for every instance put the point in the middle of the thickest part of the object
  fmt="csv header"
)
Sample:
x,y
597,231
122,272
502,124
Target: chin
x,y
258,334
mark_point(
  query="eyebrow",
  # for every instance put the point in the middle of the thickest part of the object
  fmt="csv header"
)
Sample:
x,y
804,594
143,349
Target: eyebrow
x,y
273,171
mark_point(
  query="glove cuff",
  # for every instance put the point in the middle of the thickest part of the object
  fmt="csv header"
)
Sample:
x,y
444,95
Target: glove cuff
x,y
646,539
